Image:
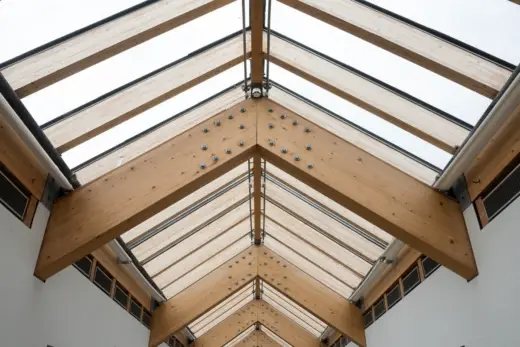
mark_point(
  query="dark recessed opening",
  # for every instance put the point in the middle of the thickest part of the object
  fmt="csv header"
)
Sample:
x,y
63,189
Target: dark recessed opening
x,y
84,265
368,318
393,296
103,280
135,309
379,308
147,318
411,280
121,296
12,194
429,266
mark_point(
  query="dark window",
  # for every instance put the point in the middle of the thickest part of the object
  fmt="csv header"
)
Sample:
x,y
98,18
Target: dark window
x,y
369,319
103,280
121,296
344,341
429,266
503,194
12,194
84,265
393,296
379,308
135,309
147,318
411,280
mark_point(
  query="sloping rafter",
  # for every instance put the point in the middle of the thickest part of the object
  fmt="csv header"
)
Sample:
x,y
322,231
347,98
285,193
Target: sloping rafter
x,y
368,95
257,28
86,48
143,95
409,42
104,209
390,199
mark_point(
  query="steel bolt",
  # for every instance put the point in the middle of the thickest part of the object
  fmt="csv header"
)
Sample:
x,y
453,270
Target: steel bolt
x,y
308,147
297,158
270,110
230,116
205,130
228,150
295,122
242,126
310,165
202,165
242,110
284,150
241,143
217,123
215,158
283,116
203,147
270,125
307,130
271,143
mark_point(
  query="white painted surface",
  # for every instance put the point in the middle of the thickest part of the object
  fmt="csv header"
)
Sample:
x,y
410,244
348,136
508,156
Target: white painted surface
x,y
447,311
66,311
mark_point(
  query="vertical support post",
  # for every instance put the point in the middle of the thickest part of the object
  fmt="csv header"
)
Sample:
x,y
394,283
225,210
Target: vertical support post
x,y
257,182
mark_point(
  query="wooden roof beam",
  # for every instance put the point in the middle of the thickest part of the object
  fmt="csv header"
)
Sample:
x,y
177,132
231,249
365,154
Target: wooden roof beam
x,y
50,65
100,211
318,299
409,42
412,212
203,295
256,8
143,95
382,102
257,338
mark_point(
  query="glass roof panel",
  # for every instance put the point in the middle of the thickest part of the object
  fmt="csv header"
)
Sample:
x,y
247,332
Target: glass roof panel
x,y
312,194
176,230
199,195
486,26
293,311
307,267
362,243
224,315
361,117
240,337
222,308
152,117
185,256
134,63
357,136
207,267
275,337
378,63
148,139
49,20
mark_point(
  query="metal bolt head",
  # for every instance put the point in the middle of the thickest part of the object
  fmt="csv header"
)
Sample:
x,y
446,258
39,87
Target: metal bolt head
x,y
283,116
242,110
230,116
308,147
202,165
307,130
270,126
295,122
241,126
284,150
297,158
215,158
205,130
271,143
310,165
203,147
228,150
241,143
270,110
217,122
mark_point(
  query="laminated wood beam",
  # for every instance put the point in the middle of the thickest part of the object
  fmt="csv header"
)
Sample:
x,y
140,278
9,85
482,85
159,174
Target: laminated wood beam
x,y
98,212
502,151
412,212
87,48
256,8
257,338
203,295
312,295
368,95
409,42
139,97
257,181
230,327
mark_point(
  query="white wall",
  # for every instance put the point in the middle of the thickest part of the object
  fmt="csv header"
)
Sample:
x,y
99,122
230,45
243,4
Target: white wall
x,y
446,310
66,311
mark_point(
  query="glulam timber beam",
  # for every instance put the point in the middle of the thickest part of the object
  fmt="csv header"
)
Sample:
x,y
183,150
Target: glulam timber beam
x,y
368,95
230,327
100,211
20,160
409,42
284,327
412,212
500,152
92,120
257,198
257,338
256,8
318,299
203,295
123,31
